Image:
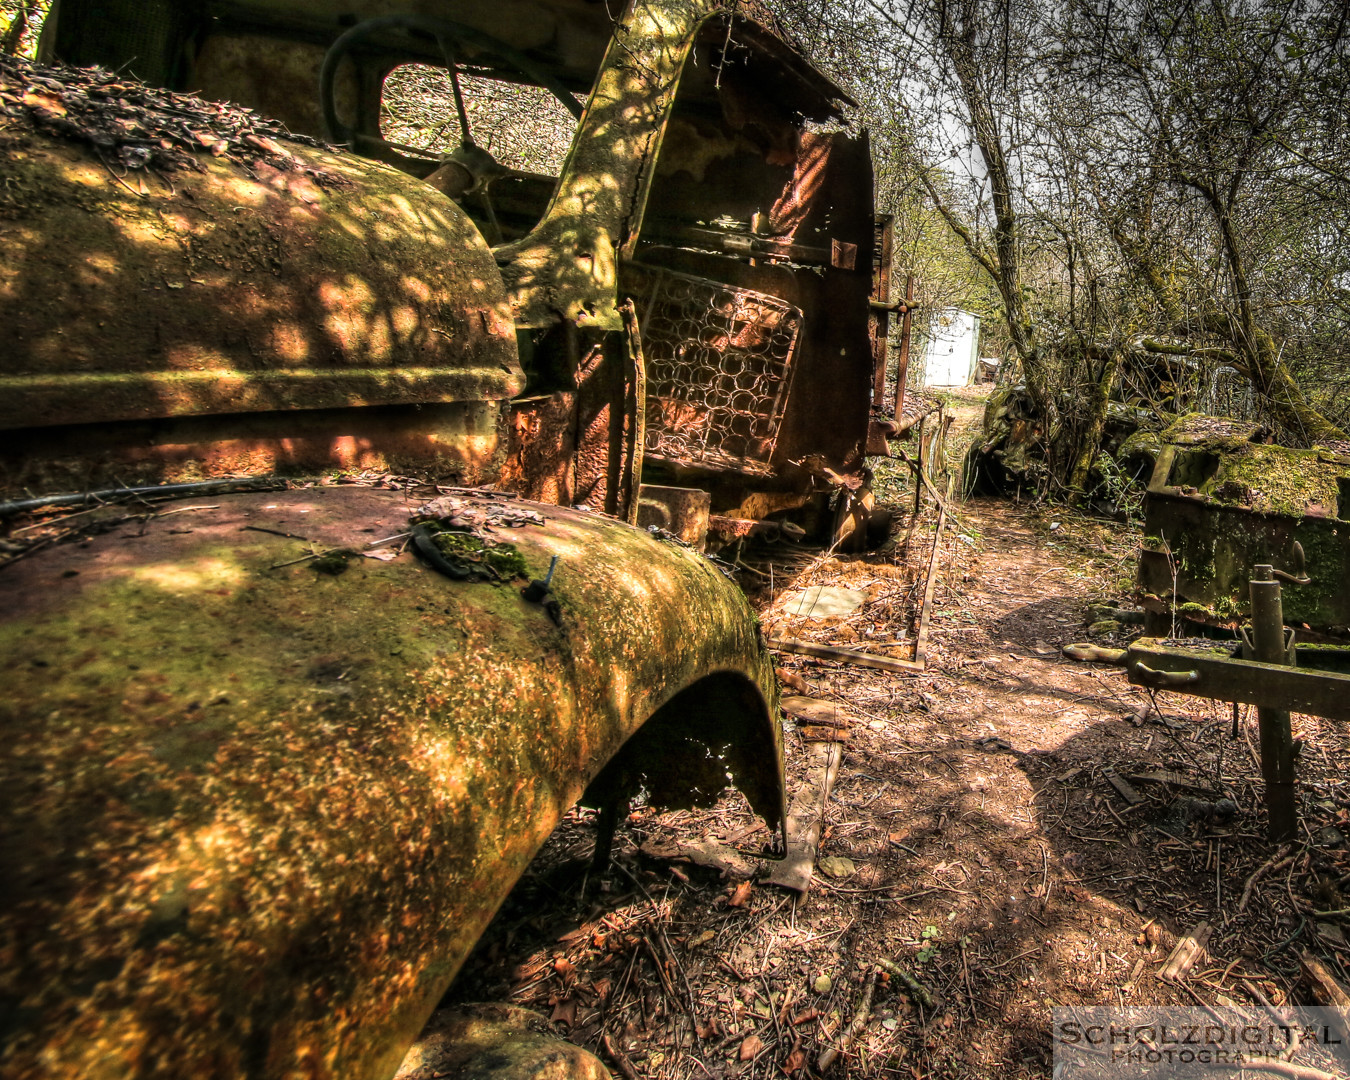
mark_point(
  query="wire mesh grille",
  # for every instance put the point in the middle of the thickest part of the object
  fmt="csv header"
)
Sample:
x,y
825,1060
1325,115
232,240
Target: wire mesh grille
x,y
719,368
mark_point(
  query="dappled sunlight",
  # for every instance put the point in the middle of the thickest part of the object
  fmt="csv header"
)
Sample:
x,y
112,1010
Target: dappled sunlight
x,y
195,576
207,296
290,342
418,288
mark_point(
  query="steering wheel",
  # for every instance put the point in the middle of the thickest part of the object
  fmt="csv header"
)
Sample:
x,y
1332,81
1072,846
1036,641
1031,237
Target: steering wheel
x,y
476,162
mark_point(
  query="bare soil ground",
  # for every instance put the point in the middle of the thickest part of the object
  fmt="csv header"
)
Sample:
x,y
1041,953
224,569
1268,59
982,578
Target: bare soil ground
x,y
991,862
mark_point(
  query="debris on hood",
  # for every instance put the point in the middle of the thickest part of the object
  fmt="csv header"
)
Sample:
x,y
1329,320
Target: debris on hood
x,y
451,512
136,126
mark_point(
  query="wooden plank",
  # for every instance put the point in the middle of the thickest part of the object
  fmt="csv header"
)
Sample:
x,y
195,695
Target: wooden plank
x,y
1174,779
1267,686
847,656
811,710
1125,791
806,817
1327,991
1188,950
1324,985
926,610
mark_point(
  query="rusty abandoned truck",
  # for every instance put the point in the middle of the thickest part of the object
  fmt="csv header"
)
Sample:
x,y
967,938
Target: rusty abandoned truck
x,y
277,746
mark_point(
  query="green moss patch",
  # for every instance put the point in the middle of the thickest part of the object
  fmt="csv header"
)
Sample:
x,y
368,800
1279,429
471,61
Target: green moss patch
x,y
483,558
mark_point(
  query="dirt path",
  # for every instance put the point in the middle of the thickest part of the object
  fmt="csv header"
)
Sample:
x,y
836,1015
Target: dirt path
x,y
990,859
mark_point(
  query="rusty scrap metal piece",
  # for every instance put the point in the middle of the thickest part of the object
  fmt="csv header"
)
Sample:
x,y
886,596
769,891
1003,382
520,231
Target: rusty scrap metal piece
x,y
732,528
1123,788
680,511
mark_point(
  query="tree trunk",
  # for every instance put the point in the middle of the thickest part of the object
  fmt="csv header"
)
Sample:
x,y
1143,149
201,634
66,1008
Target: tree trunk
x,y
1268,377
1091,441
1006,267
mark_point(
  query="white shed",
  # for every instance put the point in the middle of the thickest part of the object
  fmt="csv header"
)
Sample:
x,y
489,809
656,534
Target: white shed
x,y
952,350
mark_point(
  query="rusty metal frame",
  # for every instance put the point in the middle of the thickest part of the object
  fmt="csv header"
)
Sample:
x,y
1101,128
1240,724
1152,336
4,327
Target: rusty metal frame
x,y
1217,674
715,446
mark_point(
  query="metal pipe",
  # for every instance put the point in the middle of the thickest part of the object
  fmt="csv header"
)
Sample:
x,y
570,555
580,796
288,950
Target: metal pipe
x,y
902,364
1269,646
198,487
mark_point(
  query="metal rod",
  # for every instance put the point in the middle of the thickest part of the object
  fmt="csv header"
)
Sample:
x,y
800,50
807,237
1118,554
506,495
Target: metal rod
x,y
902,364
1277,744
919,471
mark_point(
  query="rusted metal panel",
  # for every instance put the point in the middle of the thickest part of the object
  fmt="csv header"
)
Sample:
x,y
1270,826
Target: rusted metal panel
x,y
238,288
541,445
458,444
254,818
1218,504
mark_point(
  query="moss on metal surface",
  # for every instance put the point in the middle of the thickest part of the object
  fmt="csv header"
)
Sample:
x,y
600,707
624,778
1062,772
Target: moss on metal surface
x,y
255,819
1276,480
500,561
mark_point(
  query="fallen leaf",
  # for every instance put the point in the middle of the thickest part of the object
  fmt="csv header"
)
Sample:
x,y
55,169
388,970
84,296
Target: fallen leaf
x,y
796,1059
35,99
751,1047
565,1012
711,1030
836,866
741,896
602,988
